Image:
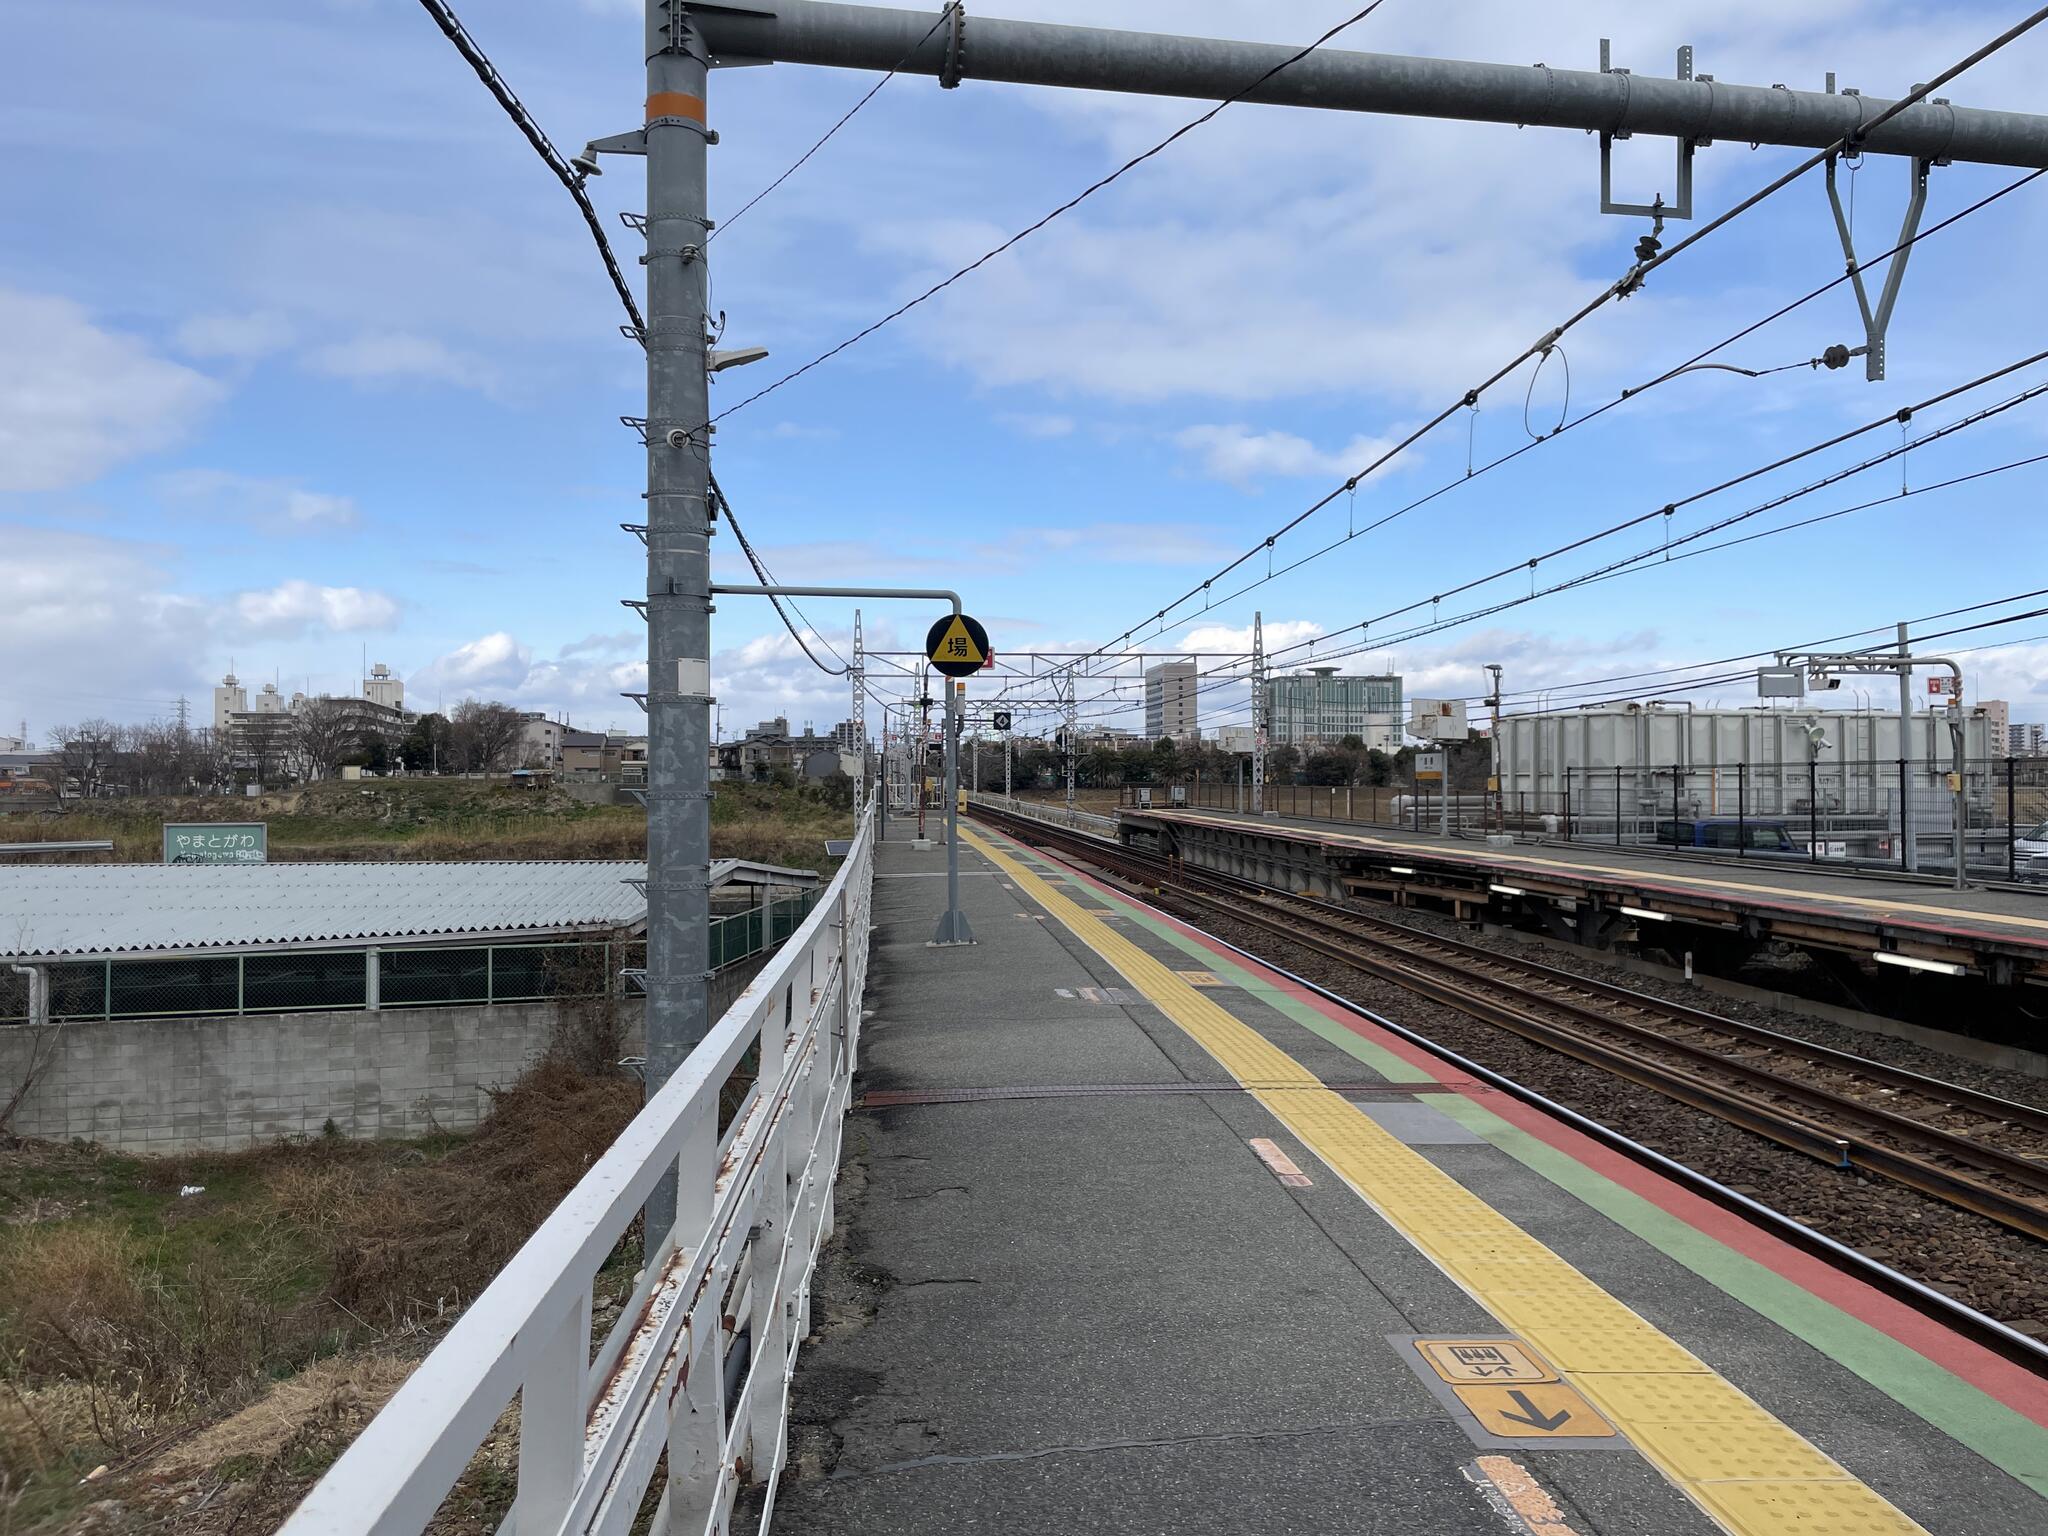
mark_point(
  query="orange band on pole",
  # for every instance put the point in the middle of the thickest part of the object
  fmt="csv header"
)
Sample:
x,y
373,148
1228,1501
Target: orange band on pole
x,y
675,104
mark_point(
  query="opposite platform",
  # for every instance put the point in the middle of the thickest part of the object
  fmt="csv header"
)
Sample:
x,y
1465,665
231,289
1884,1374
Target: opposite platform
x,y
1136,1235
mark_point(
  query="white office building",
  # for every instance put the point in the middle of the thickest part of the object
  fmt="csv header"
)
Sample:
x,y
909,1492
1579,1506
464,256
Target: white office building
x,y
1170,701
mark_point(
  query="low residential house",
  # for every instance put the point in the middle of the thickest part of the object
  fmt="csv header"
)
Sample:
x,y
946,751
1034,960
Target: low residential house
x,y
604,756
772,745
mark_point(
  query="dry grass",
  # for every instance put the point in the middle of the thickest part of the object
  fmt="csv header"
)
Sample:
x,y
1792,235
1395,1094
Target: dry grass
x,y
131,1319
403,819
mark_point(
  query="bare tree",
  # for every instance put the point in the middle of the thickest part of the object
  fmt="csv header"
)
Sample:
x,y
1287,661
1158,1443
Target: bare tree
x,y
87,751
326,731
213,759
484,734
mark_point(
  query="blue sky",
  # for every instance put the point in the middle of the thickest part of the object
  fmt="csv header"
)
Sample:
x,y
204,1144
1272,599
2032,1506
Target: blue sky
x,y
304,355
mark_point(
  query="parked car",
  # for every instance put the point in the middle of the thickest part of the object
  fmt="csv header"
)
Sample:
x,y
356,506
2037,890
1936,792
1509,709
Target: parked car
x,y
1729,834
2030,853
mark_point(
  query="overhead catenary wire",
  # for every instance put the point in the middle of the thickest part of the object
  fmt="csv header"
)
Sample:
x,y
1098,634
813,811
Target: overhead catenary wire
x,y
1630,282
945,14
1212,602
1038,224
1668,509
1663,551
768,580
1688,676
565,173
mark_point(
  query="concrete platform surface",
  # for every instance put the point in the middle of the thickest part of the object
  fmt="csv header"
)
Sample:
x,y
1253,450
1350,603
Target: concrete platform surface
x,y
1137,1236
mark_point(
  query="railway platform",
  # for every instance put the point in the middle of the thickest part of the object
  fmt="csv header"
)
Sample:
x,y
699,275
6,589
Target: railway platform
x,y
1598,896
1137,1235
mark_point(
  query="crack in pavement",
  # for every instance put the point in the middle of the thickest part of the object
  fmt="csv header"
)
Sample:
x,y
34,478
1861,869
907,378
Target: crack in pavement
x,y
1215,1437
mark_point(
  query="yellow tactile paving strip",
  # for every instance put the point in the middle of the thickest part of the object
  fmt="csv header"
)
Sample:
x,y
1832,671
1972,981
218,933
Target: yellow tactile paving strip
x,y
1712,886
1751,1472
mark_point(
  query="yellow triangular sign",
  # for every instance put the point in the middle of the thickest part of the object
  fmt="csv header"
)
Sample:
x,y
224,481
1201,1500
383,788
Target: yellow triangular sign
x,y
956,644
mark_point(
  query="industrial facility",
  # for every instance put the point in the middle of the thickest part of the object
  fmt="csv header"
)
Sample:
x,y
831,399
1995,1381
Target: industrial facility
x,y
1320,707
1627,769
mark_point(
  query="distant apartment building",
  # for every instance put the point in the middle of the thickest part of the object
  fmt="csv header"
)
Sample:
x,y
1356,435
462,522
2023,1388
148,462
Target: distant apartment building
x,y
230,698
540,741
1170,701
383,689
2026,740
1319,708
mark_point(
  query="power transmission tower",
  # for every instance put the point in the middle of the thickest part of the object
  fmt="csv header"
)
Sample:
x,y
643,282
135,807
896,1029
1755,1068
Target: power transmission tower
x,y
1259,722
1073,727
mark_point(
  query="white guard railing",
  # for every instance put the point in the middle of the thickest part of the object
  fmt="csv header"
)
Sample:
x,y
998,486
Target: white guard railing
x,y
699,1363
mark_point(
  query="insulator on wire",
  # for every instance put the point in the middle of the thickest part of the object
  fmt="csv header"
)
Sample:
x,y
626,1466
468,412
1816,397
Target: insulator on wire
x,y
1836,356
1648,247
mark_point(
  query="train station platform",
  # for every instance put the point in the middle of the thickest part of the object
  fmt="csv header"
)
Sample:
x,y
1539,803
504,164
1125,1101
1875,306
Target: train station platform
x,y
1137,1235
1998,934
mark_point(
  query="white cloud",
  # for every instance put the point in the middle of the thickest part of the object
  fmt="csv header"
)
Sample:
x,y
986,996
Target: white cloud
x,y
87,628
1222,637
797,432
295,606
238,337
76,400
1241,457
1032,424
379,357
275,506
491,661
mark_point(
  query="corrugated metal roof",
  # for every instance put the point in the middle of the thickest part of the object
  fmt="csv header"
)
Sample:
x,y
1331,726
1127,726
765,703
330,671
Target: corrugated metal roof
x,y
53,911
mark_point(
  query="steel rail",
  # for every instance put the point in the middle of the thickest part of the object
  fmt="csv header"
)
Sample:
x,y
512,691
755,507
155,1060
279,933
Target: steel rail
x,y
1951,1096
1948,1097
1823,1142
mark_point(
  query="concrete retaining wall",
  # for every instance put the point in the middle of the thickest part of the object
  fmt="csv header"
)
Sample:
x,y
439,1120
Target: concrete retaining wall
x,y
219,1083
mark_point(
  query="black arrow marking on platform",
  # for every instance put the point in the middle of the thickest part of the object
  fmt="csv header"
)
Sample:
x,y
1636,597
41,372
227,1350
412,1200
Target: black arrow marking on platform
x,y
1533,1416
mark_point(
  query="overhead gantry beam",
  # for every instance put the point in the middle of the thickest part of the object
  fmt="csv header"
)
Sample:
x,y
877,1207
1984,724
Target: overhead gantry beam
x,y
1613,103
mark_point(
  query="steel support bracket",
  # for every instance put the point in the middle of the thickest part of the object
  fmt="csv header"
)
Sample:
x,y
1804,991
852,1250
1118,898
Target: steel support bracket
x,y
632,142
955,67
1876,321
1681,206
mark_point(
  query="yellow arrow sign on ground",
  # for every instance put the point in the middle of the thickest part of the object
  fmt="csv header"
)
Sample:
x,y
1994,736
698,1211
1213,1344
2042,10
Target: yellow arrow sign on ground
x,y
1539,1411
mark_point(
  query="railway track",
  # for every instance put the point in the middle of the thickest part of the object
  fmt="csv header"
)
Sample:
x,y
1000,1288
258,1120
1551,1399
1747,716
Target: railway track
x,y
1968,1149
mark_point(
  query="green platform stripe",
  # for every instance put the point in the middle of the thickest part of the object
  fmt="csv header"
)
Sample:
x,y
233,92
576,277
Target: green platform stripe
x,y
2002,1436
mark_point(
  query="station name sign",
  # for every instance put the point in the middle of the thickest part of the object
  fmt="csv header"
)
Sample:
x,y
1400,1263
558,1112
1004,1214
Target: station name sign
x,y
216,842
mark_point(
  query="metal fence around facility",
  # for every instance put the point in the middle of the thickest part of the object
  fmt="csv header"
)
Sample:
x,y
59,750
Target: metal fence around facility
x,y
1894,814
325,980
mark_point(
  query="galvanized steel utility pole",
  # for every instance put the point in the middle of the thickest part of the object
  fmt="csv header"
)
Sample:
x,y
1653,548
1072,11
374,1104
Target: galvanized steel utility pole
x,y
678,139
858,671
